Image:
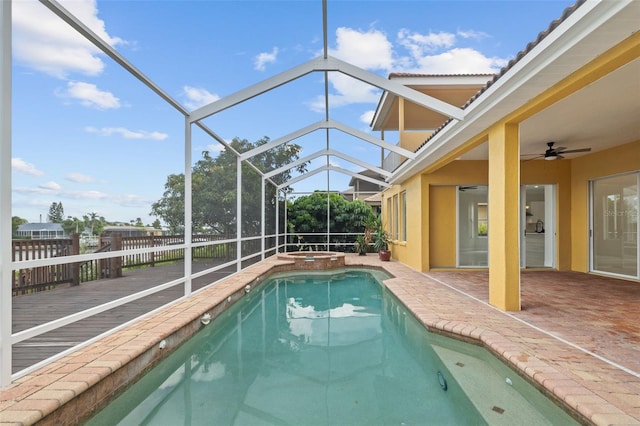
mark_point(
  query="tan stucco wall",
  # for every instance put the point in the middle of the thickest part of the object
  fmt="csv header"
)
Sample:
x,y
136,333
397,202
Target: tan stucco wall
x,y
619,160
442,228
431,240
442,238
408,252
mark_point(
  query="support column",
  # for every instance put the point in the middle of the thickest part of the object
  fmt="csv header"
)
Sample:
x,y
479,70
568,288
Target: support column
x,y
239,214
277,220
188,208
5,194
262,218
504,212
286,227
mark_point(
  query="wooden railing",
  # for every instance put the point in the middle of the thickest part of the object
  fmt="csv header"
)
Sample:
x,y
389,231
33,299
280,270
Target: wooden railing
x,y
41,278
48,277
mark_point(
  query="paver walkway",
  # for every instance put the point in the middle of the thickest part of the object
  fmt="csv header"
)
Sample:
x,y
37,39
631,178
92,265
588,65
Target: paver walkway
x,y
576,338
601,315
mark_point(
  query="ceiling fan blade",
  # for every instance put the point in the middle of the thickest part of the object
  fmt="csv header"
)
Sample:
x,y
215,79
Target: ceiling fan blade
x,y
558,149
559,157
569,151
536,156
530,155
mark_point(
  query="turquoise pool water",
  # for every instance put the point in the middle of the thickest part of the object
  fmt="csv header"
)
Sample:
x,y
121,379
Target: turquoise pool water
x,y
327,349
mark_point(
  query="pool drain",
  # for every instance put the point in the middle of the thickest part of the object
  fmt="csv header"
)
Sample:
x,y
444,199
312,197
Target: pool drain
x,y
443,381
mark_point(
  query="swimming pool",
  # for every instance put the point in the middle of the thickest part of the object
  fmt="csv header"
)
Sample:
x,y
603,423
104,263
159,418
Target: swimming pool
x,y
327,348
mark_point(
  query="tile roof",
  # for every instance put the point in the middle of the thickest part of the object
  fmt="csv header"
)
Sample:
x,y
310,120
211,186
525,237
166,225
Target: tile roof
x,y
408,74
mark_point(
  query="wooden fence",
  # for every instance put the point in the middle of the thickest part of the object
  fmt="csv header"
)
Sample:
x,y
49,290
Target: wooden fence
x,y
44,277
48,277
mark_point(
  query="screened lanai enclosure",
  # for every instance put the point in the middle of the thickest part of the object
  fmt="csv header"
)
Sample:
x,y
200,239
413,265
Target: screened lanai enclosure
x,y
224,199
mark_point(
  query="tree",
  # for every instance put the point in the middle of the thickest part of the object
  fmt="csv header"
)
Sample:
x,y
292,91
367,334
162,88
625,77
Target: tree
x,y
72,225
214,190
92,221
156,224
308,214
56,212
15,222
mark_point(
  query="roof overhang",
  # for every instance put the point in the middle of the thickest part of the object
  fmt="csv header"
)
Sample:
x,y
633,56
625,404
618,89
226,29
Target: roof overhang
x,y
453,89
591,30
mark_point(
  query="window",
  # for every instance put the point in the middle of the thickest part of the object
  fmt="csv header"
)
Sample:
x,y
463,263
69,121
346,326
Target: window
x,y
389,216
395,217
473,226
483,220
614,222
403,205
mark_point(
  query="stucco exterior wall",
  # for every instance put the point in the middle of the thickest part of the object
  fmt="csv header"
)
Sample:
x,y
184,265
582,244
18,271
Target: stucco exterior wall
x,y
619,160
442,241
431,205
408,252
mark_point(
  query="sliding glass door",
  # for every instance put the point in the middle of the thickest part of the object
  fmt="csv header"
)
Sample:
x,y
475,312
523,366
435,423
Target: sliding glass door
x,y
473,226
614,225
538,245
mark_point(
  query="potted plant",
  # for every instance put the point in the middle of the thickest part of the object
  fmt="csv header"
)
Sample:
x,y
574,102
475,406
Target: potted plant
x,y
361,245
381,243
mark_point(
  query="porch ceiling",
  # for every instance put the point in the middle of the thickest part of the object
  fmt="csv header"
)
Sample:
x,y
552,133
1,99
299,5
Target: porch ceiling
x,y
600,116
453,89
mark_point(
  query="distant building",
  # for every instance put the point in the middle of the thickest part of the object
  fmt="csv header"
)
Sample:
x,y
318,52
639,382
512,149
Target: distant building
x,y
41,231
365,190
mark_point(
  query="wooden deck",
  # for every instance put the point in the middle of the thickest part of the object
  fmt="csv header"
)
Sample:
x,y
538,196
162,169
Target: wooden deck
x,y
39,308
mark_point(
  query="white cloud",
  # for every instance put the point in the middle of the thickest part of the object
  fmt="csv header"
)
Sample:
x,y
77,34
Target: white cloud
x,y
79,178
369,50
127,200
198,97
347,91
430,53
84,195
90,96
471,34
21,166
367,116
264,58
418,44
458,61
46,43
50,186
333,162
127,134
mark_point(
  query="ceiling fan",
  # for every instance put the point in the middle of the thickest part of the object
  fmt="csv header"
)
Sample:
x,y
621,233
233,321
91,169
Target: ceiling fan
x,y
556,153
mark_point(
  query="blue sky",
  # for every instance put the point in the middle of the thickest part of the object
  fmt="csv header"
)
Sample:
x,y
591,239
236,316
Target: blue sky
x,y
89,135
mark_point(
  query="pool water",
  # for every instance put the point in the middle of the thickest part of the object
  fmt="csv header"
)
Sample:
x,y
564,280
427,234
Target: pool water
x,y
327,349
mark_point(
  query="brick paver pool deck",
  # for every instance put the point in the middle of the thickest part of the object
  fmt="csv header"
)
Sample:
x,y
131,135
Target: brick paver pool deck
x,y
577,339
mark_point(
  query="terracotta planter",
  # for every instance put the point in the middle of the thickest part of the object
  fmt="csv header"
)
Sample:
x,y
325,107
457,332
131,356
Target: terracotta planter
x,y
385,255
